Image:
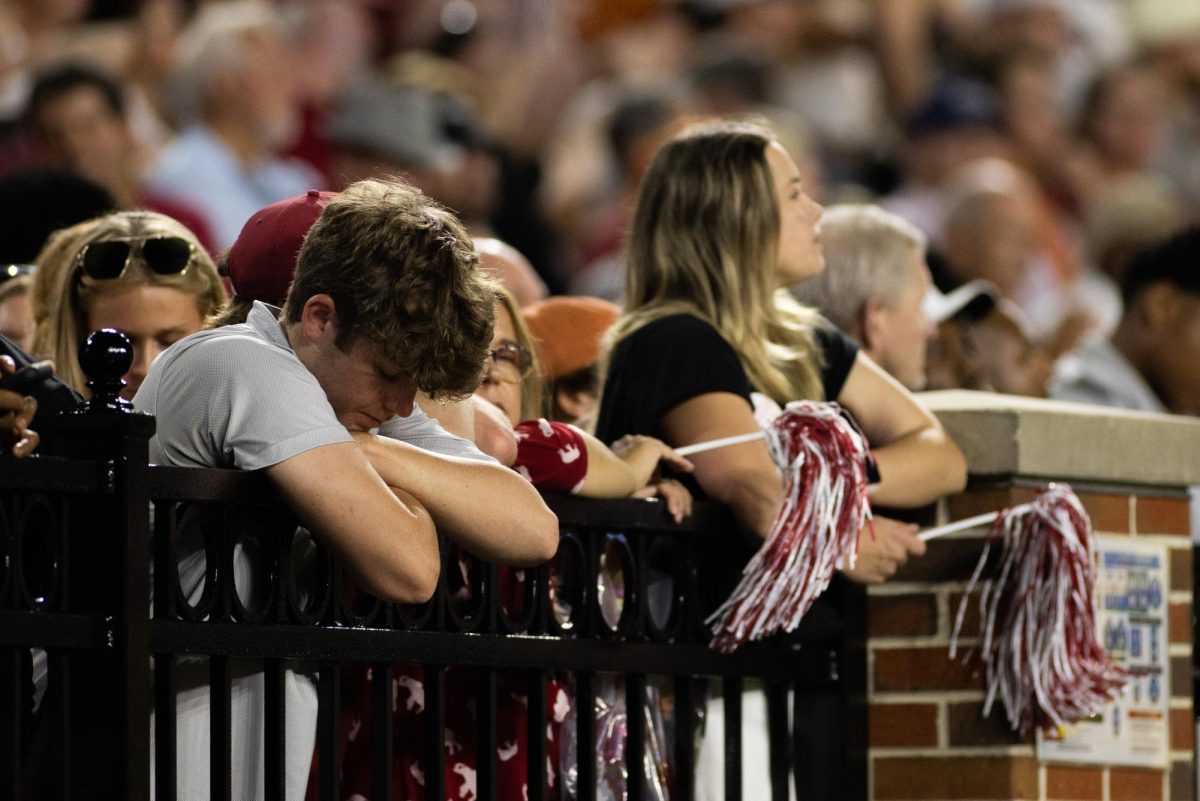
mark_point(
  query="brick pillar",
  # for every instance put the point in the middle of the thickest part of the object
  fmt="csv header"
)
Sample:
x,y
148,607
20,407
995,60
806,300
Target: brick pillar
x,y
928,737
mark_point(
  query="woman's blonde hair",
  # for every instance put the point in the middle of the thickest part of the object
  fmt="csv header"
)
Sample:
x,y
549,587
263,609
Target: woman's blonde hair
x,y
61,290
704,241
532,388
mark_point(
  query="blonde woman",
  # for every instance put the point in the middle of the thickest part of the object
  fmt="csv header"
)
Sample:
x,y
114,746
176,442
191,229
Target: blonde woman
x,y
137,271
722,225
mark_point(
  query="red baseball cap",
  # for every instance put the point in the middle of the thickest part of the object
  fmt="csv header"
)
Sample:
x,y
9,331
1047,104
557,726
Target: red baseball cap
x,y
262,261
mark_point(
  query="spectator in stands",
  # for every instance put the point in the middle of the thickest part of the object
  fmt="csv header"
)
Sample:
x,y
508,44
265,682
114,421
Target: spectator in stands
x,y
722,224
991,226
1009,360
983,343
16,415
386,301
37,32
512,269
873,287
998,228
260,267
637,126
950,361
697,338
513,383
138,271
1123,125
1127,217
77,115
1168,35
1149,362
957,124
16,313
1034,119
429,137
235,97
567,335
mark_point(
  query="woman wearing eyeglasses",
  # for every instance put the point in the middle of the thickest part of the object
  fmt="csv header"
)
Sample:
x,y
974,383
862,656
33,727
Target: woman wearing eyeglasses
x,y
137,271
560,457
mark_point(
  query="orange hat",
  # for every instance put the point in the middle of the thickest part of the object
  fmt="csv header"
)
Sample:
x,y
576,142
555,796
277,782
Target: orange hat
x,y
567,331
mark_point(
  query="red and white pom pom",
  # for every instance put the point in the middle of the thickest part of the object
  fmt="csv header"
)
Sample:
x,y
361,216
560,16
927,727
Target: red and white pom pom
x,y
1038,616
823,457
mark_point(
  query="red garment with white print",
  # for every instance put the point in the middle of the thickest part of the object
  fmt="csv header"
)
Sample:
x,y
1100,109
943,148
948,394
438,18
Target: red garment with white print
x,y
461,766
551,455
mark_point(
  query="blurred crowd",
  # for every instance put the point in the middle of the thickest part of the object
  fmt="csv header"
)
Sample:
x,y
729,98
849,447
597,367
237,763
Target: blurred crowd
x,y
981,194
990,168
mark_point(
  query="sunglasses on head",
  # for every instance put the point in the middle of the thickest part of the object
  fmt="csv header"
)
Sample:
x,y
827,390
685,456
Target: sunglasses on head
x,y
163,255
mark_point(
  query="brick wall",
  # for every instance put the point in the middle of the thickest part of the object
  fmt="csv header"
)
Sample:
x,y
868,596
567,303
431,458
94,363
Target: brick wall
x,y
927,737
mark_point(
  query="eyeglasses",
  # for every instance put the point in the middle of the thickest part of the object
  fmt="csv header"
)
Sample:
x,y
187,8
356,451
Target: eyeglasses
x,y
164,255
512,358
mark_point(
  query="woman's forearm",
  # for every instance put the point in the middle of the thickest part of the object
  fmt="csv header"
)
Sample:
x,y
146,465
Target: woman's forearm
x,y
917,469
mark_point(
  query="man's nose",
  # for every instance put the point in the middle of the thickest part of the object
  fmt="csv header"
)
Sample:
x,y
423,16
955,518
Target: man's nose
x,y
400,402
143,357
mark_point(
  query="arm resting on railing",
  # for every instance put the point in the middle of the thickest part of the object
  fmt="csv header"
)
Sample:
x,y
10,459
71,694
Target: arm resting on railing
x,y
488,509
918,462
381,534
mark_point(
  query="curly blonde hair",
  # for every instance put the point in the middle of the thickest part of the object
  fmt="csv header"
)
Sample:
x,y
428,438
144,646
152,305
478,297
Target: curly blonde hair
x,y
61,291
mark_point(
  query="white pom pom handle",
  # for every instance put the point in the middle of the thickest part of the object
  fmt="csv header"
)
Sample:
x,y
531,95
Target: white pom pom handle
x,y
985,519
723,442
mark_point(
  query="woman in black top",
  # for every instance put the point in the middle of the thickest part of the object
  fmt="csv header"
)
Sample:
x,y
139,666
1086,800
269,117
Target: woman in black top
x,y
722,224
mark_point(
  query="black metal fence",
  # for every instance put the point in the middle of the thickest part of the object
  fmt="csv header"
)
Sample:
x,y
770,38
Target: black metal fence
x,y
120,582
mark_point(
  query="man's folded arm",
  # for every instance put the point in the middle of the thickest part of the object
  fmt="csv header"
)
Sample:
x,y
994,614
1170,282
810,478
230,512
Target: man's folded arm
x,y
484,507
382,535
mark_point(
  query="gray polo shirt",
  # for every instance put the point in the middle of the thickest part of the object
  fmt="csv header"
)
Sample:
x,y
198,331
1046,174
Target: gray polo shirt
x,y
238,397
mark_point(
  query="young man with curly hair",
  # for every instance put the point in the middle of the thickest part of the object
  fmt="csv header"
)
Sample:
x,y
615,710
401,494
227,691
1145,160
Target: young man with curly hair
x,y
387,300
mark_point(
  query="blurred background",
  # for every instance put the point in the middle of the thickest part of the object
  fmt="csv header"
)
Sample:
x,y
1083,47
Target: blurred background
x,y
1037,144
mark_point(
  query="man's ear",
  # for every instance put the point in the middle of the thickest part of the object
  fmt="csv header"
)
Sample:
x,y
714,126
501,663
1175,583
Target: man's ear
x,y
870,326
318,318
226,83
1159,305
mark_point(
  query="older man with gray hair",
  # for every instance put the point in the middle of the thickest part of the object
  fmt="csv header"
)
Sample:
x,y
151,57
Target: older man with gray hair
x,y
235,96
873,287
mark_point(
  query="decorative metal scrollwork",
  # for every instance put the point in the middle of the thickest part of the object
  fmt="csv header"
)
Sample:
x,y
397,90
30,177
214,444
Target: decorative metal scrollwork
x,y
37,542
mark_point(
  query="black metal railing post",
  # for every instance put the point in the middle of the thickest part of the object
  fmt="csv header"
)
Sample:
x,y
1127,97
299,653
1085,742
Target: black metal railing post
x,y
294,612
109,719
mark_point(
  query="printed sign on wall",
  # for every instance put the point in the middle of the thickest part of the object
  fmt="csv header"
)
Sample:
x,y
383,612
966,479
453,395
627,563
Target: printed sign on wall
x,y
1131,614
